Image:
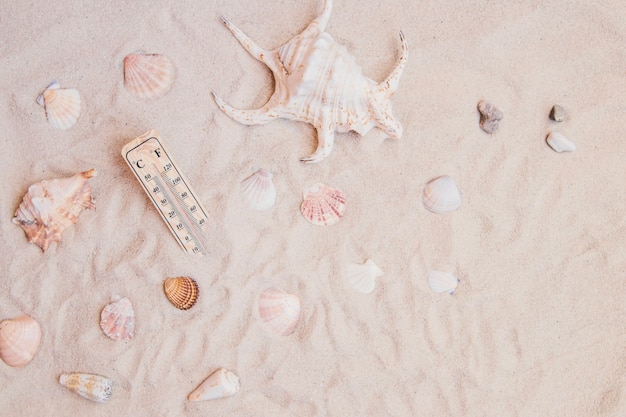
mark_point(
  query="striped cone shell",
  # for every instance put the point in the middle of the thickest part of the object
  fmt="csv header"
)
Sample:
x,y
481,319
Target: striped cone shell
x,y
182,292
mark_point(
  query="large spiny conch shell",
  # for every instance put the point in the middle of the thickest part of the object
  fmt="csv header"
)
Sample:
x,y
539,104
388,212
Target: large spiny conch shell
x,y
441,195
93,387
181,291
258,190
19,340
50,206
440,281
362,277
117,320
323,205
318,82
62,105
279,310
148,75
221,383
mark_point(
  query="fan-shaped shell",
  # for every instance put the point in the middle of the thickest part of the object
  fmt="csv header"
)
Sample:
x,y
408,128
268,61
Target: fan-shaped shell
x,y
363,276
93,387
62,105
279,310
441,195
50,206
323,205
221,383
148,75
440,281
181,291
19,340
258,190
117,320
560,143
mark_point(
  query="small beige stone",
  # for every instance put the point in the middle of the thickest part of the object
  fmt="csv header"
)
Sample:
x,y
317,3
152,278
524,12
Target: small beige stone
x,y
489,116
558,113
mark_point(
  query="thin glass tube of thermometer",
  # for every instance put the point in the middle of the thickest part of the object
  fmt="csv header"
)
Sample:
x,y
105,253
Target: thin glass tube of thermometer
x,y
169,190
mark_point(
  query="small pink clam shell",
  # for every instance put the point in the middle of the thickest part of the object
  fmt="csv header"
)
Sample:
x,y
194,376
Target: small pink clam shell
x,y
279,310
117,320
323,205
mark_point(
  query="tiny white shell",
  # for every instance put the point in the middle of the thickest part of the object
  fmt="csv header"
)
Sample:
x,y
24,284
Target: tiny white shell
x,y
221,383
440,281
93,387
441,195
279,310
560,143
117,320
258,190
62,105
323,205
362,277
148,75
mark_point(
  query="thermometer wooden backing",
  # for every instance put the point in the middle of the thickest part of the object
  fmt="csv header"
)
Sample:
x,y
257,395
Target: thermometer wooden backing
x,y
169,190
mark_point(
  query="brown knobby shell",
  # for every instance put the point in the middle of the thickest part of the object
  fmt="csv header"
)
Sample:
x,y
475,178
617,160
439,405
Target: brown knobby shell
x,y
182,292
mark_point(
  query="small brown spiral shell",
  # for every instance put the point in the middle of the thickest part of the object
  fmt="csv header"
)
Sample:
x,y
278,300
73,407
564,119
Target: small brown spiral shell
x,y
182,292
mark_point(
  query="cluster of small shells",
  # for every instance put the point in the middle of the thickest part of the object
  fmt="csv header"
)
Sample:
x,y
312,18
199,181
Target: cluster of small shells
x,y
556,140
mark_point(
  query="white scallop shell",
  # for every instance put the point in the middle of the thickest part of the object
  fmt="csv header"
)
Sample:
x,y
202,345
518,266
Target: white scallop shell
x,y
363,276
258,190
440,281
148,75
560,143
279,310
323,205
62,105
117,320
221,383
441,195
93,387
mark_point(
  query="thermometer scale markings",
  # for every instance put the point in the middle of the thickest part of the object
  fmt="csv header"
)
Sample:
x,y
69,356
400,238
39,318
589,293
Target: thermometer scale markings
x,y
170,194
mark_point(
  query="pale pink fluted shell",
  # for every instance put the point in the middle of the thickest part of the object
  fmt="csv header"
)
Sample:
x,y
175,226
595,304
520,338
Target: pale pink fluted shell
x,y
148,75
279,310
117,320
258,190
323,205
62,105
19,340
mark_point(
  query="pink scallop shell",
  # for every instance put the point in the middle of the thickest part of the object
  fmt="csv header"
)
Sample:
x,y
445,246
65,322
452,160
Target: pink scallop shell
x,y
148,75
117,320
279,310
323,205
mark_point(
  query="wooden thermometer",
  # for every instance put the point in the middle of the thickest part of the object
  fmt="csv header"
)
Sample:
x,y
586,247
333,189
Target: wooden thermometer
x,y
169,190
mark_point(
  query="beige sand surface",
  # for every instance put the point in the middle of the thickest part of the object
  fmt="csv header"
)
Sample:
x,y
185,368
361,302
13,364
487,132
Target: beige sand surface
x,y
537,324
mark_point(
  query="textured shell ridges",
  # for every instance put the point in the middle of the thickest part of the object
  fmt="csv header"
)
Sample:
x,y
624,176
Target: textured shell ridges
x,y
50,206
62,105
182,292
148,75
19,340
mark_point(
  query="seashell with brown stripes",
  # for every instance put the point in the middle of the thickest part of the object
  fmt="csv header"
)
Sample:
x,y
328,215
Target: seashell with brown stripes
x,y
182,292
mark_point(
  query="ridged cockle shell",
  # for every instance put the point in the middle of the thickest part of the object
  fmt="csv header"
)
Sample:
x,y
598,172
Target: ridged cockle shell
x,y
19,340
318,82
50,206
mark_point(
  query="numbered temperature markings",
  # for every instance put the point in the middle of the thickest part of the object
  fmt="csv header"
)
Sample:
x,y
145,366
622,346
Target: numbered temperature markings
x,y
169,190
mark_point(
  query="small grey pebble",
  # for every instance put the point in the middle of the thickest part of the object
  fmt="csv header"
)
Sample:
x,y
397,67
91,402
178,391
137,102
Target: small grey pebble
x,y
489,116
557,113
